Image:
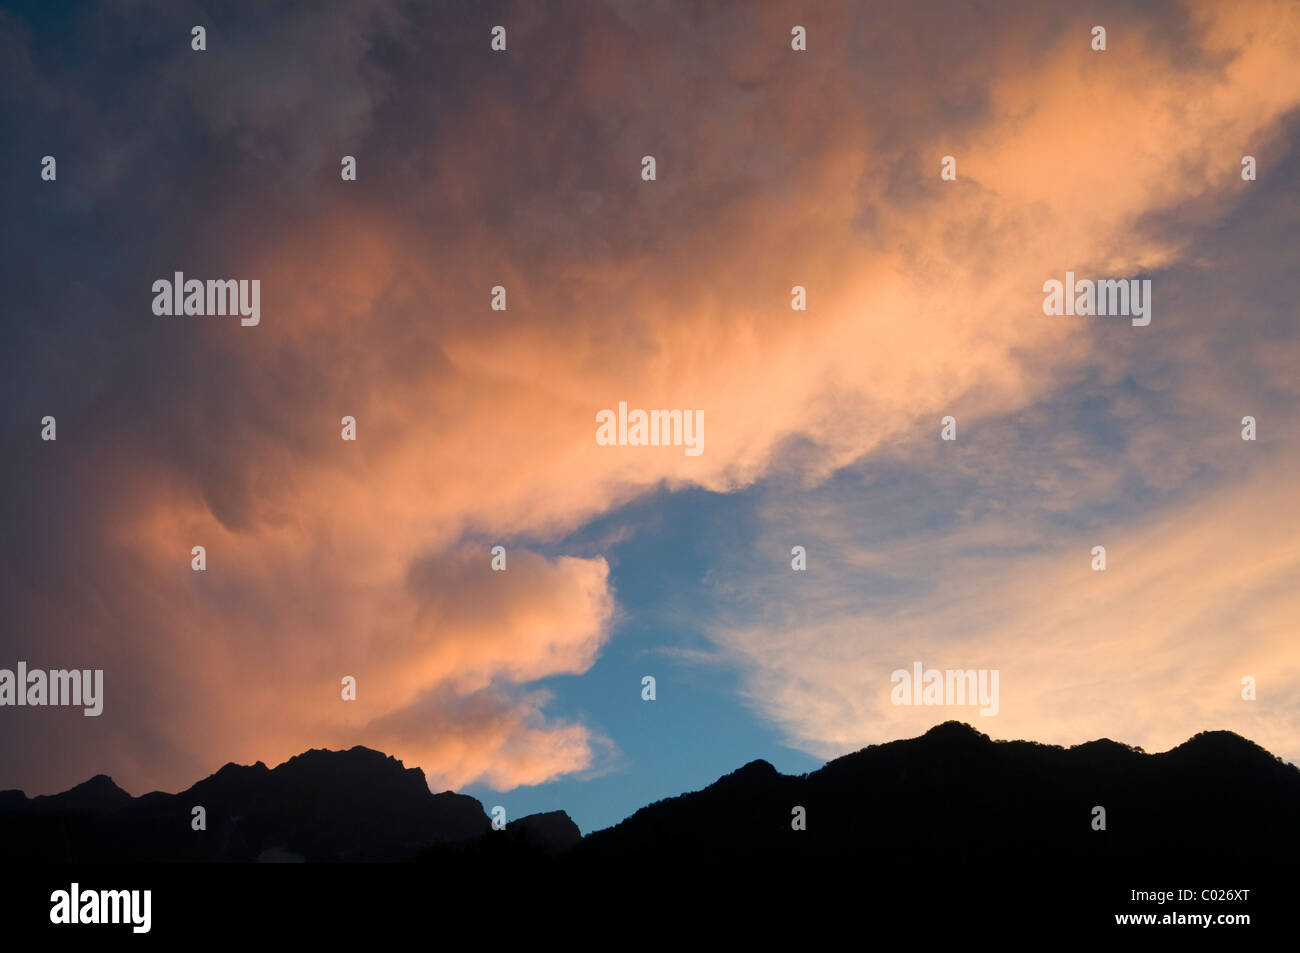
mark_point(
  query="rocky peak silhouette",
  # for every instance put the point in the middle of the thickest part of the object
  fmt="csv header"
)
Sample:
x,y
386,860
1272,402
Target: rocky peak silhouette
x,y
1015,801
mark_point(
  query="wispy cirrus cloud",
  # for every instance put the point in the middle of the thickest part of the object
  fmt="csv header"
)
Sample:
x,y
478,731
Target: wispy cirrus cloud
x,y
329,558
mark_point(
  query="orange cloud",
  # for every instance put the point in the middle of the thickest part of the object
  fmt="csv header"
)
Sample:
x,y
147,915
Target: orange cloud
x,y
1150,651
329,557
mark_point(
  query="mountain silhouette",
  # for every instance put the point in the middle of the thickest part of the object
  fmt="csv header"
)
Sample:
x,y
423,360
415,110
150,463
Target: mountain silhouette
x,y
1214,799
1217,798
355,805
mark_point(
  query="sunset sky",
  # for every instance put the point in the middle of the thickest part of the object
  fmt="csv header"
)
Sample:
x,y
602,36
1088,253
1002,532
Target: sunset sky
x,y
476,427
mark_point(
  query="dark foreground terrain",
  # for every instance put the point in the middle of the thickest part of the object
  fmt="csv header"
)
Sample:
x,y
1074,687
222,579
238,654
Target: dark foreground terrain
x,y
950,824
1217,798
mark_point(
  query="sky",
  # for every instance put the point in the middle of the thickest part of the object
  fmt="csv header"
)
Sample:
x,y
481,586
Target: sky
x,y
475,427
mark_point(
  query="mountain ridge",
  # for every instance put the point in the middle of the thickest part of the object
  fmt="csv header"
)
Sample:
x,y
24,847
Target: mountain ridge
x,y
1010,799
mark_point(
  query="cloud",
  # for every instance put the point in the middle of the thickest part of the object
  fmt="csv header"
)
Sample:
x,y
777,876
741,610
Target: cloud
x,y
1150,651
368,558
502,739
